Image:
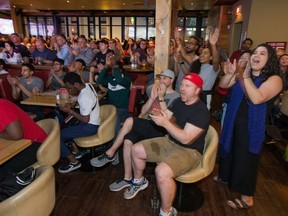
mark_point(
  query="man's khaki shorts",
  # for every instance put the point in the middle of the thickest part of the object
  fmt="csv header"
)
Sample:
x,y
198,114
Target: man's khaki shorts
x,y
178,158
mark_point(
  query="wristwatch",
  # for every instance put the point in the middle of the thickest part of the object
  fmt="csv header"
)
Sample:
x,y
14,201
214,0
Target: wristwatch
x,y
162,100
182,62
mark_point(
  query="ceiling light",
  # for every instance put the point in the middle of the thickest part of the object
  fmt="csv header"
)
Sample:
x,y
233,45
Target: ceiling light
x,y
31,5
68,1
123,3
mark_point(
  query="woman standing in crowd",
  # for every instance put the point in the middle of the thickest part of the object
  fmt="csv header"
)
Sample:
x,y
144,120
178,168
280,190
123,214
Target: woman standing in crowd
x,y
253,93
241,64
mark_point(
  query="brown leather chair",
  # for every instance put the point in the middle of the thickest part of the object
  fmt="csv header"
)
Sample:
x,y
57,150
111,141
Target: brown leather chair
x,y
37,199
49,151
106,130
189,197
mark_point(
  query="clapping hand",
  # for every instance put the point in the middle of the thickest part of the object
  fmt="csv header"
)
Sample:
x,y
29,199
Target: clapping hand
x,y
13,80
161,90
159,117
229,68
154,90
247,70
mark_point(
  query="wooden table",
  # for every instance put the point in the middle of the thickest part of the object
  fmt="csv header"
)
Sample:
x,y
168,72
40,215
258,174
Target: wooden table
x,y
9,148
49,100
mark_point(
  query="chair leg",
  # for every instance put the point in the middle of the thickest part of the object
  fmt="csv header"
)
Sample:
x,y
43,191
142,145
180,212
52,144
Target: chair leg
x,y
188,197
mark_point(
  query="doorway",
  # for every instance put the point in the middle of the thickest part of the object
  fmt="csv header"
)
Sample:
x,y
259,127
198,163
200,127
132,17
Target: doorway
x,y
236,35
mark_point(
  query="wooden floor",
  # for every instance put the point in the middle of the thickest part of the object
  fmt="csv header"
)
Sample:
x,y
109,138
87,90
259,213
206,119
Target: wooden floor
x,y
82,193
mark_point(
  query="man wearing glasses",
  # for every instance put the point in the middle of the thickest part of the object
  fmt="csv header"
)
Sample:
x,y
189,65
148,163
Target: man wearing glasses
x,y
184,57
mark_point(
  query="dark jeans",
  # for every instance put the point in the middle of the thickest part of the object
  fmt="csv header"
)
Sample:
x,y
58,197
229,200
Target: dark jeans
x,y
21,161
68,134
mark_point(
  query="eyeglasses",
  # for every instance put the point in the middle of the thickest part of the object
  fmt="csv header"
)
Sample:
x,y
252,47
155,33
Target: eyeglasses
x,y
191,43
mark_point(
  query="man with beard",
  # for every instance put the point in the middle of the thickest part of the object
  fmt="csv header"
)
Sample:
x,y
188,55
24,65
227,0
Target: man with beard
x,y
246,45
184,57
186,122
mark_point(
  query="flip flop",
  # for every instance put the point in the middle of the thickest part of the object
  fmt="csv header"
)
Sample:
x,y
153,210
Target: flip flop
x,y
237,204
219,180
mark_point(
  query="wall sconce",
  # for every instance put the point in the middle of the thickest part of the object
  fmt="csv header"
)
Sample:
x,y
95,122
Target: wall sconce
x,y
238,10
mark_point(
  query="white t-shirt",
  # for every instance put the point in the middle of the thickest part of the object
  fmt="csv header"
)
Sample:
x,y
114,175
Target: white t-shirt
x,y
87,100
208,75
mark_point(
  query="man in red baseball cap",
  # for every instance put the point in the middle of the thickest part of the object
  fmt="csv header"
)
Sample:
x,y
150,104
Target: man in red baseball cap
x,y
186,121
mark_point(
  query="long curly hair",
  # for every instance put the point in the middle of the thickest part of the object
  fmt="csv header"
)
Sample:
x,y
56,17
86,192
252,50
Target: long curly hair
x,y
272,67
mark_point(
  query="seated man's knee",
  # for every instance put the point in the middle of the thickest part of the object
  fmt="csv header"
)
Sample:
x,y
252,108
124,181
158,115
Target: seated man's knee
x,y
128,122
127,144
138,151
163,172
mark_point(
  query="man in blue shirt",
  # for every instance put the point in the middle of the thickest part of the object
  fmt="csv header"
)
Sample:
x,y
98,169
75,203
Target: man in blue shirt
x,y
46,55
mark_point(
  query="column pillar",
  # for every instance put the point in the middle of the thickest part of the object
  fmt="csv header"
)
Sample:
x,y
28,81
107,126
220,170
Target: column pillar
x,y
163,31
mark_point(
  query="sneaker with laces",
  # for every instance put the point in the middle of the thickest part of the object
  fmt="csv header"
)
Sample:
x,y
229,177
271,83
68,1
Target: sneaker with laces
x,y
102,160
26,177
69,167
120,184
173,212
134,188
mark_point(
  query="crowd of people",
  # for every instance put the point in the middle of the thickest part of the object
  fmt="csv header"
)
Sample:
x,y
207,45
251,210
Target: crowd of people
x,y
173,123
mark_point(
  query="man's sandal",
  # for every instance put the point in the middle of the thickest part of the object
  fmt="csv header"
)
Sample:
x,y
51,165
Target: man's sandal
x,y
237,204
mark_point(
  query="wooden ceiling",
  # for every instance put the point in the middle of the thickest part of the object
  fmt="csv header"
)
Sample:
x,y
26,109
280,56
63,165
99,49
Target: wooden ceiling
x,y
105,4
34,6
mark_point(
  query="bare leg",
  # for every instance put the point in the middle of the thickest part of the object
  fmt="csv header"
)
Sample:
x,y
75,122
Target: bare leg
x,y
166,185
138,160
126,128
74,147
71,158
127,159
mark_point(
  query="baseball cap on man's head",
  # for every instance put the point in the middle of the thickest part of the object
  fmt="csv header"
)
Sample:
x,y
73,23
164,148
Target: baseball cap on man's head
x,y
194,78
167,73
103,41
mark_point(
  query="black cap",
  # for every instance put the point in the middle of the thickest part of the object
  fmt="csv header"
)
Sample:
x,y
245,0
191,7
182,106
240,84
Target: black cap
x,y
103,41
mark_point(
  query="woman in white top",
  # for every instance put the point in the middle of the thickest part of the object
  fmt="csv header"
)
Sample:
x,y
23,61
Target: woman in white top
x,y
9,55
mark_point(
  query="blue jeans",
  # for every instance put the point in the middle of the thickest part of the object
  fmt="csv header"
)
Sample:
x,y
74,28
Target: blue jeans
x,y
68,134
122,115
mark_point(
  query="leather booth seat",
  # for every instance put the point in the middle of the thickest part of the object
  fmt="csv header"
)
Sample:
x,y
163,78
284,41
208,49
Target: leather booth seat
x,y
36,199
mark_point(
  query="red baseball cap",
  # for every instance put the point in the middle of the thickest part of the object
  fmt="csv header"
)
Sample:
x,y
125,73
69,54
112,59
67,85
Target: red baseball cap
x,y
194,78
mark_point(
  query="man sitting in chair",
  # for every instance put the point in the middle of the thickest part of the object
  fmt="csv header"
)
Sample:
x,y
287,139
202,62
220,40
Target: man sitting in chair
x,y
15,124
88,117
136,129
187,122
